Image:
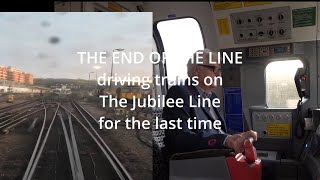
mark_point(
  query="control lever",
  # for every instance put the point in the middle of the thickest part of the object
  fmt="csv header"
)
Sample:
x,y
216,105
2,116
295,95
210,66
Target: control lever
x,y
250,151
246,166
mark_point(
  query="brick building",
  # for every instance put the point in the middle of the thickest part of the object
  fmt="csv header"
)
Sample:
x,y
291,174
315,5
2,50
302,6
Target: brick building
x,y
13,74
3,73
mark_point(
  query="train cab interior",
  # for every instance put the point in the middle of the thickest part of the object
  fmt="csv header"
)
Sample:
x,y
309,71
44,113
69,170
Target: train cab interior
x,y
275,91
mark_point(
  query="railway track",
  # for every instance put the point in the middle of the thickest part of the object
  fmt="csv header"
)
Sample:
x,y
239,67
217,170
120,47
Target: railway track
x,y
138,134
8,108
114,168
65,144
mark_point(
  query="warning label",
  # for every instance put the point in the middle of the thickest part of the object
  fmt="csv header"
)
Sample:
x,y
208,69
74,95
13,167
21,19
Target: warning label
x,y
255,3
278,129
223,5
223,26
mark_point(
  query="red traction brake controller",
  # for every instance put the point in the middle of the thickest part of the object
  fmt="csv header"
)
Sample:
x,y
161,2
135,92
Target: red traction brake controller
x,y
246,166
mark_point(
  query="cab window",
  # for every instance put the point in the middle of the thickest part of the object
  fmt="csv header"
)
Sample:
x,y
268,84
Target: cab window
x,y
181,38
281,90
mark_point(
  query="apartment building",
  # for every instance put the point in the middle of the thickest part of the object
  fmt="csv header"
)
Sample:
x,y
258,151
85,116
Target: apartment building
x,y
3,73
13,74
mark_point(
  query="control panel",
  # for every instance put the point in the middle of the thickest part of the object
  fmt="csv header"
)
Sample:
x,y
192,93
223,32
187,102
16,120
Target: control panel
x,y
261,25
272,50
272,124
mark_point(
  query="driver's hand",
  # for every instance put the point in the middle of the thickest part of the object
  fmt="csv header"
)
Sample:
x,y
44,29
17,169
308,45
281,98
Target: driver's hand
x,y
236,141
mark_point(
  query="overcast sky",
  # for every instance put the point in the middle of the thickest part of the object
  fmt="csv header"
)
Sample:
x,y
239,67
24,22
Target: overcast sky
x,y
25,42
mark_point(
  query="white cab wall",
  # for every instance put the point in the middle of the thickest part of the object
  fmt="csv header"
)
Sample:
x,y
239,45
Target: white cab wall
x,y
198,10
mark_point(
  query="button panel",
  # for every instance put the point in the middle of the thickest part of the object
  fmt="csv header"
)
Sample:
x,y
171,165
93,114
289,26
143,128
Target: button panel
x,y
272,124
259,51
261,25
272,50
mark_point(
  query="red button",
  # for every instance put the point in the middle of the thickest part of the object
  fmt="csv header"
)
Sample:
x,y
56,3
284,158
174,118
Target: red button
x,y
212,142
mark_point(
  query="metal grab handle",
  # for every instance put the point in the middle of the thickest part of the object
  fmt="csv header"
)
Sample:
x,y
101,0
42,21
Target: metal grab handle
x,y
250,150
